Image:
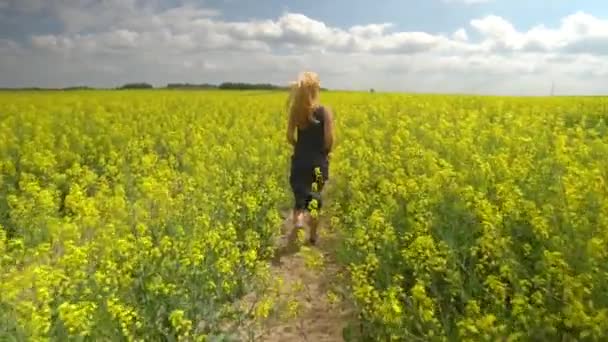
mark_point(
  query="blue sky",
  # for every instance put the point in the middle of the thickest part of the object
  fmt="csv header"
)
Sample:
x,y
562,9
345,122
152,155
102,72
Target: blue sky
x,y
429,15
502,47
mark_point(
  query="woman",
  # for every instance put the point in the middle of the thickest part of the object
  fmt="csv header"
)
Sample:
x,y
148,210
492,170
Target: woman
x,y
314,126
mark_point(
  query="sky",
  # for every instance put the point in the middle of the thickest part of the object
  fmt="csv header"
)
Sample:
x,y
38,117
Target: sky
x,y
503,47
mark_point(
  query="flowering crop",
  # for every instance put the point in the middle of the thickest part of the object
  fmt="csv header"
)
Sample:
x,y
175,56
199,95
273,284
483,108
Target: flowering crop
x,y
146,215
139,215
474,218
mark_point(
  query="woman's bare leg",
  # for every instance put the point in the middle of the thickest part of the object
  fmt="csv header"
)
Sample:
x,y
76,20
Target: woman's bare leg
x,y
314,223
298,218
294,216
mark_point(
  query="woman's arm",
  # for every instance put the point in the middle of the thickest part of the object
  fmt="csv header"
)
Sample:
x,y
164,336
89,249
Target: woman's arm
x,y
291,127
329,130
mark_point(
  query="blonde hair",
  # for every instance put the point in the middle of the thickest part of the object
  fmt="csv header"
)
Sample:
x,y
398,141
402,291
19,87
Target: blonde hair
x,y
303,97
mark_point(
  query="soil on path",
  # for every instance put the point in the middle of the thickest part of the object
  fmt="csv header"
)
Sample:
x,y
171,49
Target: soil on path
x,y
310,288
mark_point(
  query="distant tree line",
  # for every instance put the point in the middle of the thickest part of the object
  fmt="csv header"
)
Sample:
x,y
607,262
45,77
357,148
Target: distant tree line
x,y
144,85
47,89
190,86
222,86
248,86
226,86
137,86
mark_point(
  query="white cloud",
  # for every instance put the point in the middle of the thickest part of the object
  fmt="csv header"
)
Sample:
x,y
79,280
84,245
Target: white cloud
x,y
192,28
115,41
494,27
460,35
577,33
370,31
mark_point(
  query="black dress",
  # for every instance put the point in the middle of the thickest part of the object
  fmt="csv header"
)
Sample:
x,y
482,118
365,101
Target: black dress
x,y
309,153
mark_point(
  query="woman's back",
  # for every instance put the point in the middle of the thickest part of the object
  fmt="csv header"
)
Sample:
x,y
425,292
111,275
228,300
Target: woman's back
x,y
310,143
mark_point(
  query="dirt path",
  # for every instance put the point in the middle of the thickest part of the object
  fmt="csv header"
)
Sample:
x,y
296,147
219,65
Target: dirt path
x,y
307,305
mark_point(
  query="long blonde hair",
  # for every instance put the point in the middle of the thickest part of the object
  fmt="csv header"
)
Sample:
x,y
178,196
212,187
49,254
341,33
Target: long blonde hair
x,y
303,97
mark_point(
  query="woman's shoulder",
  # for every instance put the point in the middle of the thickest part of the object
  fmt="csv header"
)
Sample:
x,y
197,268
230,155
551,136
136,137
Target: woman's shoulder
x,y
322,111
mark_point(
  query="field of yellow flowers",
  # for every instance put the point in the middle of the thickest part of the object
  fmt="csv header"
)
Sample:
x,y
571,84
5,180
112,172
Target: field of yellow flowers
x,y
145,215
475,219
135,215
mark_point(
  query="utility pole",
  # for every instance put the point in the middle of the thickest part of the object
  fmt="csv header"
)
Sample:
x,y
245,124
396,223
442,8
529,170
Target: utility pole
x,y
552,88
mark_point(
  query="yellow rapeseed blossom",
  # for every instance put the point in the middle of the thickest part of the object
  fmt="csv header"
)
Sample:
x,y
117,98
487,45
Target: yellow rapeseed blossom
x,y
143,215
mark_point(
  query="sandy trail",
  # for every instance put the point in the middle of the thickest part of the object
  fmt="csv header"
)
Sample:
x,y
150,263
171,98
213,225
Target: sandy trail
x,y
310,281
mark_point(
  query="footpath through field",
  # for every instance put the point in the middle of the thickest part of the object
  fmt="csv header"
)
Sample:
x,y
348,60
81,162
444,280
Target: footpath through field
x,y
307,307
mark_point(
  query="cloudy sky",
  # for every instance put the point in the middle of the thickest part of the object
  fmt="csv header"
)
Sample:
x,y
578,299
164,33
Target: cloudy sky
x,y
475,46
